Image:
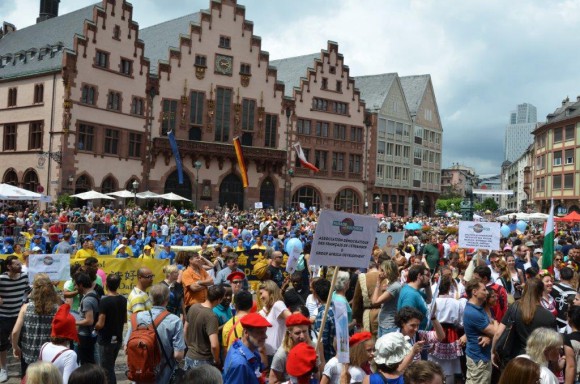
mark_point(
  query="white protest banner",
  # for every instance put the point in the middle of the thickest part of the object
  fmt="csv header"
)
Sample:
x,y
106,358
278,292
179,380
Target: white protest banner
x,y
482,235
343,239
56,266
258,205
341,325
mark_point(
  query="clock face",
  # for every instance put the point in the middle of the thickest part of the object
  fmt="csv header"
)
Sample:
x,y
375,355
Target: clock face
x,y
224,64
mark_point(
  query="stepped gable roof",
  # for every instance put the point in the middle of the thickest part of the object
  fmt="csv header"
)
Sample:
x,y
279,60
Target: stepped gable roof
x,y
374,88
292,69
39,48
159,38
414,89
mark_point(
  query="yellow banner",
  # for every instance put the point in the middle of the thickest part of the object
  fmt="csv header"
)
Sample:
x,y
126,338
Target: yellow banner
x,y
127,270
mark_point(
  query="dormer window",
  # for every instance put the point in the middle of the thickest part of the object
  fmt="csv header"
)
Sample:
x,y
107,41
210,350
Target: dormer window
x,y
225,42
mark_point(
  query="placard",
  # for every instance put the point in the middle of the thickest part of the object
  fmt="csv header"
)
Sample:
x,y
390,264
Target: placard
x,y
388,241
343,239
341,326
258,205
56,266
479,235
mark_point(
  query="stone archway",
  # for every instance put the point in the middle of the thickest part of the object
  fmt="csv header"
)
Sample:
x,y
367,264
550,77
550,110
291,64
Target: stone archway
x,y
309,196
183,190
30,180
231,191
347,200
268,193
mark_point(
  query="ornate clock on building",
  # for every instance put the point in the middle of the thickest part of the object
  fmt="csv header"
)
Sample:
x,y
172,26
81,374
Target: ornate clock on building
x,y
224,64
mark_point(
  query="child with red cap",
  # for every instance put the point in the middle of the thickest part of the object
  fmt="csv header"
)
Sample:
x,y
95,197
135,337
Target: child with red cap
x,y
362,352
57,351
301,363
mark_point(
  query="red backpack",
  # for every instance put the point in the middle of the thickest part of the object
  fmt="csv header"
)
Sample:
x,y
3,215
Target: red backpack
x,y
143,349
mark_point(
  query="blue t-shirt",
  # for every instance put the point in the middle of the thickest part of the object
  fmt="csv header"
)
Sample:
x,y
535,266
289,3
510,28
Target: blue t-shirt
x,y
411,297
475,320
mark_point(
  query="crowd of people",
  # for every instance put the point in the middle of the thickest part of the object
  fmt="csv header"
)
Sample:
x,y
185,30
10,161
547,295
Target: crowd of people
x,y
423,311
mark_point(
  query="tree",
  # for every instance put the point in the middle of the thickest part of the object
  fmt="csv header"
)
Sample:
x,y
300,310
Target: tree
x,y
489,203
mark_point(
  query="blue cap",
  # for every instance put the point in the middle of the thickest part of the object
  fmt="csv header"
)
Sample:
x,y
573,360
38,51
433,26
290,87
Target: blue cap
x,y
270,238
9,240
60,236
132,238
92,230
89,237
104,238
255,233
179,238
67,231
38,231
167,244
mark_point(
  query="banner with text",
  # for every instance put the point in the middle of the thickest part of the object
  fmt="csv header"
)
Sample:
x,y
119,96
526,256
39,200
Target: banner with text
x,y
480,235
343,239
56,266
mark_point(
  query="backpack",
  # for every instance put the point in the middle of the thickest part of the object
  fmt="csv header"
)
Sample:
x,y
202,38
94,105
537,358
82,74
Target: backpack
x,y
261,268
143,349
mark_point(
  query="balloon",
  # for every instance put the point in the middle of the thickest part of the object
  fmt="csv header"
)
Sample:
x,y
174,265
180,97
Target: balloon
x,y
292,244
521,225
505,231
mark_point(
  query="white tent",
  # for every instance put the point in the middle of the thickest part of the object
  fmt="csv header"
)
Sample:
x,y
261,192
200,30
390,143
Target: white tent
x,y
173,197
92,195
10,192
123,194
148,195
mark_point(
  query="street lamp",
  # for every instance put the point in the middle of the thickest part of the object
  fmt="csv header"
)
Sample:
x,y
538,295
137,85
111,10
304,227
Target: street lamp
x,y
422,203
135,188
197,166
452,207
377,199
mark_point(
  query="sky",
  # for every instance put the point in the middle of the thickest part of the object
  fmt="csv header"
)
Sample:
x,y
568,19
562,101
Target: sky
x,y
484,56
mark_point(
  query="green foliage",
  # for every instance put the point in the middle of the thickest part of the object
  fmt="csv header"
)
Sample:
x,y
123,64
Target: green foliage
x,y
490,204
64,201
445,204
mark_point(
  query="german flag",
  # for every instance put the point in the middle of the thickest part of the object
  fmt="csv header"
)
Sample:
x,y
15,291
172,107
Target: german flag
x,y
241,161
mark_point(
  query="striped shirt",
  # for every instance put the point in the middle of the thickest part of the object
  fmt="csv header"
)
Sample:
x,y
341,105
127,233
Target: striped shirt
x,y
137,301
13,294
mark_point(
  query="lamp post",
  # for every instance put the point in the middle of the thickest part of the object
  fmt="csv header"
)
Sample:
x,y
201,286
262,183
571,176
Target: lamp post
x,y
197,166
452,207
422,204
135,188
287,181
377,199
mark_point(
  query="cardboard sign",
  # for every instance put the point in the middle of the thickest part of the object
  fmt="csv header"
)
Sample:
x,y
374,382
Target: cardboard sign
x,y
478,235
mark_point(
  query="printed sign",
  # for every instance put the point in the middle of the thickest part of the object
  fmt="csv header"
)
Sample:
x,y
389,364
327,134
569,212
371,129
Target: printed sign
x,y
341,325
343,239
388,241
56,266
479,235
258,205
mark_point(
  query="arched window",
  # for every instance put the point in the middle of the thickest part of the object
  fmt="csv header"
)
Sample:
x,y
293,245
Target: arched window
x,y
10,177
347,200
308,196
31,181
172,185
268,193
83,184
232,191
195,133
109,185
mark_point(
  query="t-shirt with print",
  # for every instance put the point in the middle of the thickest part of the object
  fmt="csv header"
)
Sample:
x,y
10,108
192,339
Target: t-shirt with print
x,y
89,303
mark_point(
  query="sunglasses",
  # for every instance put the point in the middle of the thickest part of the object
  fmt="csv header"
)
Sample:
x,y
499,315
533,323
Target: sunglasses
x,y
236,281
148,276
557,259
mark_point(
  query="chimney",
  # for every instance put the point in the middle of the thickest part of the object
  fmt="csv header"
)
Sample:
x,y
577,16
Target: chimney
x,y
48,10
8,28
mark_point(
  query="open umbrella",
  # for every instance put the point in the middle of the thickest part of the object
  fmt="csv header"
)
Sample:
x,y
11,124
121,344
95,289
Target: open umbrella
x,y
173,197
413,226
10,192
148,195
123,194
92,195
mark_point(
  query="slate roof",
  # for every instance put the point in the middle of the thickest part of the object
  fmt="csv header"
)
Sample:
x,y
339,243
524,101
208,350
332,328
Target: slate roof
x,y
160,37
569,110
292,69
374,88
49,33
414,89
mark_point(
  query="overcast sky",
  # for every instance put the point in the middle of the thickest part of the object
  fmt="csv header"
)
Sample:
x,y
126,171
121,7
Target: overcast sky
x,y
484,56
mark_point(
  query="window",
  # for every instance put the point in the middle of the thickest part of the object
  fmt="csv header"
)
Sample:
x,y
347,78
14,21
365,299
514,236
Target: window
x,y
381,148
137,106
557,135
320,159
245,69
542,140
399,128
428,114
86,137
114,101
437,138
405,174
418,155
323,105
541,162
35,135
12,96
168,116
196,107
117,32
380,171
354,162
356,134
557,181
306,156
570,130
558,158
135,144
200,61
338,86
417,177
398,150
324,84
397,173
111,141
102,59
271,131
406,152
303,126
390,126
390,149
418,135
38,93
569,156
321,129
223,112
319,104
389,172
339,131
569,181
341,108
248,114
338,161
126,67
382,127
9,137
88,95
225,42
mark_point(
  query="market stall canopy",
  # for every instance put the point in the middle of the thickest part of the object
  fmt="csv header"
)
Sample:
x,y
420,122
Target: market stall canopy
x,y
124,194
10,192
148,195
571,217
173,197
92,195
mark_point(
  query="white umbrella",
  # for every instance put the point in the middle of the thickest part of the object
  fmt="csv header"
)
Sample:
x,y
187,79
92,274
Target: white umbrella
x,y
10,192
172,196
92,195
148,195
539,216
124,194
522,216
503,218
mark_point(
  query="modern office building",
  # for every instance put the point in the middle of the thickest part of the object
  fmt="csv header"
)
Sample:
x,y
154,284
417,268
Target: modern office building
x,y
518,133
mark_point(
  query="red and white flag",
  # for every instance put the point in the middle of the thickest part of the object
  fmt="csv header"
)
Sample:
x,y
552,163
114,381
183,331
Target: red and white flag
x,y
302,158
